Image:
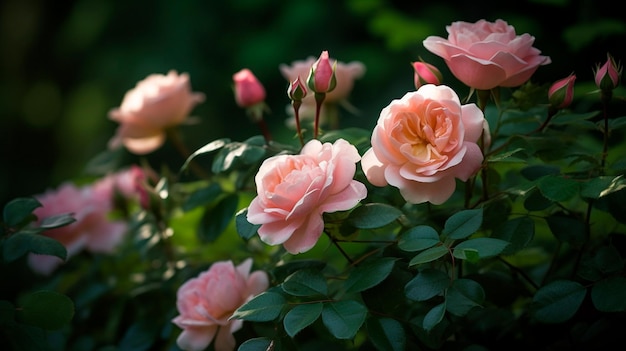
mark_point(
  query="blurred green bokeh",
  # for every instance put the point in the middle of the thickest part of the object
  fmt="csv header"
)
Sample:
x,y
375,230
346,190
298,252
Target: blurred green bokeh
x,y
65,64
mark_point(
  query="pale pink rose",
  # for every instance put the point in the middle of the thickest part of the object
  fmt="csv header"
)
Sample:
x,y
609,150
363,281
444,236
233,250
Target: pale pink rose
x,y
128,183
92,229
293,191
485,55
156,103
206,303
422,142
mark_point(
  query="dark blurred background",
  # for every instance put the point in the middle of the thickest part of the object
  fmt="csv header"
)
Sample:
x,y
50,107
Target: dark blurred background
x,y
65,64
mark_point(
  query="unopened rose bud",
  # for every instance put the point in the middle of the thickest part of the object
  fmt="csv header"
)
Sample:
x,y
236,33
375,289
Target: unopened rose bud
x,y
607,76
425,73
248,89
322,75
296,91
561,93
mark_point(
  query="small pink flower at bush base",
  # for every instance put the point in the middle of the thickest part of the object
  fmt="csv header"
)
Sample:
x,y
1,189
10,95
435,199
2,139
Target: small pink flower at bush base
x,y
422,142
156,103
485,55
293,191
206,303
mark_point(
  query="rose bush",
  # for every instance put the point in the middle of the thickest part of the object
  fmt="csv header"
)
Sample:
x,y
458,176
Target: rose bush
x,y
446,224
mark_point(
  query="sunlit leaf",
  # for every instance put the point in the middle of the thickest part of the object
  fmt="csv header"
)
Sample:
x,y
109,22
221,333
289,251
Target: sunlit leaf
x,y
56,221
429,255
301,317
558,301
599,187
262,308
463,224
343,318
427,283
306,282
208,148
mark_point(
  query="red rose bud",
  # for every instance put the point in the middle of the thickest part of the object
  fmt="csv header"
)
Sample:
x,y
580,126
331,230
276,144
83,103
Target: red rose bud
x,y
296,91
607,77
425,73
322,75
248,89
561,93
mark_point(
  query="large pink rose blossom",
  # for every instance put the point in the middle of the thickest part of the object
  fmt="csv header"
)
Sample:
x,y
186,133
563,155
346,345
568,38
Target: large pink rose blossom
x,y
422,142
156,103
485,55
295,190
206,303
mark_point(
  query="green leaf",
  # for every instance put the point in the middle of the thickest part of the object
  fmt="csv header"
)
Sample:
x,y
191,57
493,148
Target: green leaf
x,y
343,318
139,336
373,215
608,295
519,232
535,201
598,187
306,282
464,295
262,308
257,344
210,147
434,317
484,247
427,283
245,229
215,219
463,224
558,301
369,274
17,211
566,229
386,334
234,154
21,243
429,255
48,310
202,197
301,317
558,188
56,221
418,238
285,269
535,172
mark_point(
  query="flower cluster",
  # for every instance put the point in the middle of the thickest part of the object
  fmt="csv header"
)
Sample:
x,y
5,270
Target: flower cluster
x,y
449,224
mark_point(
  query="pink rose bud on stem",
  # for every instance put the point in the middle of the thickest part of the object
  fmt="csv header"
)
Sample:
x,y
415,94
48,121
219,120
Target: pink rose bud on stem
x,y
425,73
561,93
607,77
250,94
321,80
297,91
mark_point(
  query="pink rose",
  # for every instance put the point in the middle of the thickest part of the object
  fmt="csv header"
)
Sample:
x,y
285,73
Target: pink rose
x,y
128,183
206,303
248,90
92,229
294,190
485,55
422,142
156,103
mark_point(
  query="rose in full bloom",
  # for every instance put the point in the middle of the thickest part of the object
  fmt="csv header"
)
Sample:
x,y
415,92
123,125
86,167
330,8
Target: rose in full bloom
x,y
206,303
156,103
293,191
422,142
485,55
92,229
